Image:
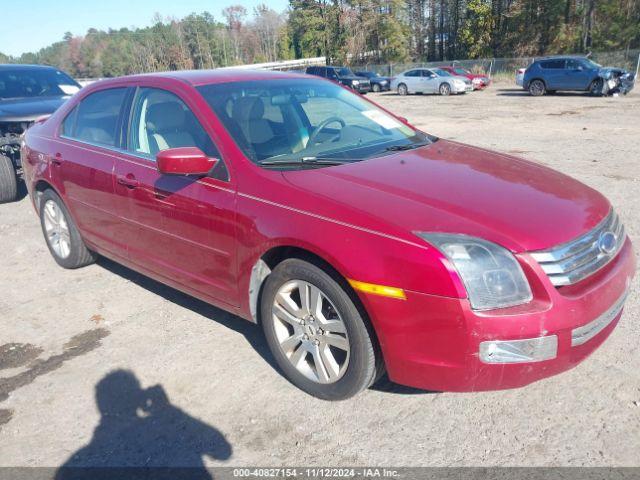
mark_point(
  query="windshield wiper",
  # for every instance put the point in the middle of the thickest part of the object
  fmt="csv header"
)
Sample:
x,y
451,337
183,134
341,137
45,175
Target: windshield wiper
x,y
411,146
305,161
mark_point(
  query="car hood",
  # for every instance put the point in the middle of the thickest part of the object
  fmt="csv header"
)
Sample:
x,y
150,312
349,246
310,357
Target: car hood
x,y
455,188
28,109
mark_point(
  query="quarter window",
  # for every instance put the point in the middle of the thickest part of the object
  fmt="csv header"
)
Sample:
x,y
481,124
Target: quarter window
x,y
97,117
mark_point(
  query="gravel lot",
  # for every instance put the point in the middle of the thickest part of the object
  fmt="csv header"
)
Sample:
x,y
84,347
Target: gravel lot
x,y
66,334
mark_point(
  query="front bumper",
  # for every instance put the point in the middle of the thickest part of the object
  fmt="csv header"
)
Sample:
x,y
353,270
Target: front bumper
x,y
434,342
457,88
362,88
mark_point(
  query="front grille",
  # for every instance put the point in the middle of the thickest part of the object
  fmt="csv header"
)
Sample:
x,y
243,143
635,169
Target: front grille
x,y
574,261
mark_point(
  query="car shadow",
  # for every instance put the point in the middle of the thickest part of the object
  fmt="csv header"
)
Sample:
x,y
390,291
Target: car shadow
x,y
141,428
519,92
252,333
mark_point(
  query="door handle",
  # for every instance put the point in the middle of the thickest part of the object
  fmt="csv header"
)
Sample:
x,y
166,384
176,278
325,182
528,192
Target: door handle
x,y
57,159
128,181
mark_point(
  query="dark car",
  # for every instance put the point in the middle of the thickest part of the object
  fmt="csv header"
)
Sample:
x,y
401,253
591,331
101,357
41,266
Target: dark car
x,y
342,75
27,92
550,74
378,82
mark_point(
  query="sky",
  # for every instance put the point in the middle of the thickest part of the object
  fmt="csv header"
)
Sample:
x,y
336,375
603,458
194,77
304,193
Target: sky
x,y
35,24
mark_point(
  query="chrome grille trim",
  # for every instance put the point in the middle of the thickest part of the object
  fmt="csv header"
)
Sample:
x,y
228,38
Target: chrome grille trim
x,y
572,262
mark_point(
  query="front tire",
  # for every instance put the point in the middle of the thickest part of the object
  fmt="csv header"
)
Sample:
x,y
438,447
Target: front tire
x,y
537,88
402,89
595,88
316,333
61,234
445,89
376,88
8,180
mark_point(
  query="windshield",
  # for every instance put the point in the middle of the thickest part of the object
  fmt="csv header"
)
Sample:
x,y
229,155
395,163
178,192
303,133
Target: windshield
x,y
591,64
20,83
297,120
345,72
461,71
442,73
368,74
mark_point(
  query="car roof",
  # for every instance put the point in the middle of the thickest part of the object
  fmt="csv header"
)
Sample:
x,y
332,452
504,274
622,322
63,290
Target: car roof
x,y
23,66
205,77
562,57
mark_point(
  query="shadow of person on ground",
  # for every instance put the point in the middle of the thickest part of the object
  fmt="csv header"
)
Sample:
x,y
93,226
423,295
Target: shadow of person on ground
x,y
141,428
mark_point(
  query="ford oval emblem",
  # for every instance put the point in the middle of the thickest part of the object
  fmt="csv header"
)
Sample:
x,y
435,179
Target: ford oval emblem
x,y
607,242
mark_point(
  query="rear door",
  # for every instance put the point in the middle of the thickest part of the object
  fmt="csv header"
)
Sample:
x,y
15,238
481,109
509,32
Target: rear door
x,y
181,228
554,74
84,163
412,80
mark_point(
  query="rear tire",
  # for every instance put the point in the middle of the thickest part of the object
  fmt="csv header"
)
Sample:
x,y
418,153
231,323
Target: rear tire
x,y
537,88
8,180
445,89
61,234
402,89
329,333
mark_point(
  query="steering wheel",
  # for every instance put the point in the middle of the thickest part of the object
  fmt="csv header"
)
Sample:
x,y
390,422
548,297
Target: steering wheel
x,y
322,126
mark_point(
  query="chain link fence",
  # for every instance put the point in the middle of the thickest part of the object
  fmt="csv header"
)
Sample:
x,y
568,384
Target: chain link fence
x,y
505,67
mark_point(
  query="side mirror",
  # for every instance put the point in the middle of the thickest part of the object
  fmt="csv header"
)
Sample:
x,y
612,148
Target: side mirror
x,y
184,161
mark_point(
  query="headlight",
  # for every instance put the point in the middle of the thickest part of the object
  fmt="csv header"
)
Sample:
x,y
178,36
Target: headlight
x,y
355,82
477,80
491,275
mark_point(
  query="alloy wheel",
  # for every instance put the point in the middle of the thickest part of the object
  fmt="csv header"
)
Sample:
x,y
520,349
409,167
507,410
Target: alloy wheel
x,y
310,331
402,89
536,88
57,229
445,89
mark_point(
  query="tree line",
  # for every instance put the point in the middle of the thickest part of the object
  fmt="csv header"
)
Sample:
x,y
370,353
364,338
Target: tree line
x,y
350,32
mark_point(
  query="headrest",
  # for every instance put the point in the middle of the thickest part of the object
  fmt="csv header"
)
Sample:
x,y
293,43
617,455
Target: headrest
x,y
248,108
165,116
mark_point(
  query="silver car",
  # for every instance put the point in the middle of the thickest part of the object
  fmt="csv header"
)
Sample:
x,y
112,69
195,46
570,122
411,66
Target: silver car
x,y
430,80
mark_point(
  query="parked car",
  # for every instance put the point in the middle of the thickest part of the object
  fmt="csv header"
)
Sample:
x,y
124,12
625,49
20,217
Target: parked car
x,y
359,243
477,81
548,75
435,80
520,76
343,76
378,82
26,93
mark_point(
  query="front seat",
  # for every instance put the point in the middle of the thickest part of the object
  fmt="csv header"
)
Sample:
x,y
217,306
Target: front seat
x,y
248,113
167,127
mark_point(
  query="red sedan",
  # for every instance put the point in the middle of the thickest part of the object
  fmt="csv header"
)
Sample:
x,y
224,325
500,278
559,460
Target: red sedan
x,y
479,81
360,244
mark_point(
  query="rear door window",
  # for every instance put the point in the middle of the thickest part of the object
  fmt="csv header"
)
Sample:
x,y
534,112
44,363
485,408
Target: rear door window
x,y
97,117
552,64
412,73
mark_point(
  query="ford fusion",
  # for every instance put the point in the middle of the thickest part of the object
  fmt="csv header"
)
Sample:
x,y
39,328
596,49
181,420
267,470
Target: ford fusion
x,y
360,244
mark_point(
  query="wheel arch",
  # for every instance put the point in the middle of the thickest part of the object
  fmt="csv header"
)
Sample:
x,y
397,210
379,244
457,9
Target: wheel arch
x,y
276,254
39,188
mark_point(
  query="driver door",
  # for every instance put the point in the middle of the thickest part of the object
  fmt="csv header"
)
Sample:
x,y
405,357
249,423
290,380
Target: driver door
x,y
178,227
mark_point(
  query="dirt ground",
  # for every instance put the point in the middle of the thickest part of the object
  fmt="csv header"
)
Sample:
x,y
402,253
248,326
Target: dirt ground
x,y
71,338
